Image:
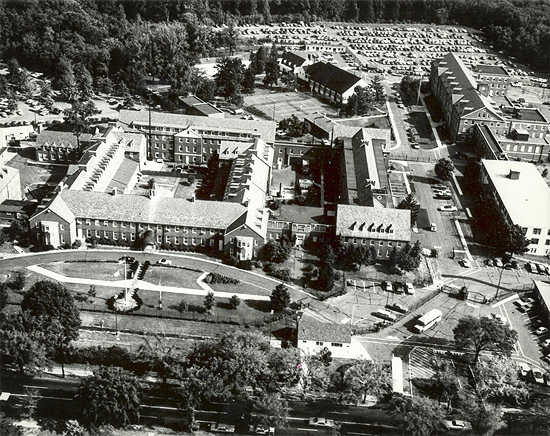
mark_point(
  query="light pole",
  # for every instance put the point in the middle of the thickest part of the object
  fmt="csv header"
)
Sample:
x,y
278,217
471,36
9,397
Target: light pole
x,y
499,279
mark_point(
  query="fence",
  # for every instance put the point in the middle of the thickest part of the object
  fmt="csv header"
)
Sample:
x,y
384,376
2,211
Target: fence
x,y
408,157
162,173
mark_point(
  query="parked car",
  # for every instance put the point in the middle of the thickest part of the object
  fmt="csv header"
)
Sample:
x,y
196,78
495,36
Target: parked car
x,y
448,208
531,268
321,422
540,268
524,369
458,424
537,375
399,308
541,330
164,262
222,428
498,262
489,262
127,259
388,287
443,196
260,429
546,343
409,288
465,263
433,227
398,287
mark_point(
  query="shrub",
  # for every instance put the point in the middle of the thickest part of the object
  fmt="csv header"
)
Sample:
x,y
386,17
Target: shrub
x,y
229,260
245,264
18,281
234,302
214,277
281,274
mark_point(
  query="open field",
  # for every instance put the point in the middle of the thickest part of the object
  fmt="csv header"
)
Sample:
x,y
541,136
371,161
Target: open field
x,y
176,277
87,270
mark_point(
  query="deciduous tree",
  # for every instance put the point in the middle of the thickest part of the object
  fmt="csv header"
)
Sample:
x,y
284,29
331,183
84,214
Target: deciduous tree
x,y
280,298
444,168
420,416
484,334
367,377
110,396
209,302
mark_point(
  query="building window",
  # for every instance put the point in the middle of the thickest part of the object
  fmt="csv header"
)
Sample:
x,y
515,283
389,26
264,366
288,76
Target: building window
x,y
381,243
123,236
115,236
97,233
132,237
336,344
159,239
194,230
211,242
193,241
355,240
203,242
88,223
62,239
61,227
320,344
536,231
168,239
212,231
534,241
547,242
159,227
184,241
176,229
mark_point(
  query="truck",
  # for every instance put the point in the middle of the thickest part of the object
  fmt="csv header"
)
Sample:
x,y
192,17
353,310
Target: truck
x,y
428,320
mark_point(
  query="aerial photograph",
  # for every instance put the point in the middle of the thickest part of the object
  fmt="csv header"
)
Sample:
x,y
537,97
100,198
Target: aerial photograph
x,y
275,217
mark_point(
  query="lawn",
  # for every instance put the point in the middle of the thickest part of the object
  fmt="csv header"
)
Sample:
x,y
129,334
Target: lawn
x,y
87,270
171,276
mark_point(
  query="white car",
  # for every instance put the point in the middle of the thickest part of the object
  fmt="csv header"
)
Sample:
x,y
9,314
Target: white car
x,y
537,374
321,422
541,330
409,288
448,208
458,424
524,369
164,262
264,430
546,343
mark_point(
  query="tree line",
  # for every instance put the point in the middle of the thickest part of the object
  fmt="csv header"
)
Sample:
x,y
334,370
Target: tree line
x,y
115,45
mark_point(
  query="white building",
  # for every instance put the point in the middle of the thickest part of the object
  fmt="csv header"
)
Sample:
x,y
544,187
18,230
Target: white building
x,y
523,198
17,133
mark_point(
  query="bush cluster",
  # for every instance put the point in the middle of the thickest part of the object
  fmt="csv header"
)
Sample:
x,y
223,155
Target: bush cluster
x,y
214,277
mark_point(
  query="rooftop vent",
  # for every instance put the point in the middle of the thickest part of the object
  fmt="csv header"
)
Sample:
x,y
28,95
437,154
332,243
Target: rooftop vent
x,y
514,175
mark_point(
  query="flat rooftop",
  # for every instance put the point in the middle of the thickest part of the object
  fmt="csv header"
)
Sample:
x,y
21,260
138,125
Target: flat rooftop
x,y
299,214
497,70
531,115
527,199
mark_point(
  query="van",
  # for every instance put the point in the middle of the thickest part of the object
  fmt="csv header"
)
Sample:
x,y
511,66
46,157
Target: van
x,y
433,227
384,314
237,111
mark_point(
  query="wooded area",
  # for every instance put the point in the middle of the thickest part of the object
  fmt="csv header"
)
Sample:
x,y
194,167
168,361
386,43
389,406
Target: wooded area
x,y
120,43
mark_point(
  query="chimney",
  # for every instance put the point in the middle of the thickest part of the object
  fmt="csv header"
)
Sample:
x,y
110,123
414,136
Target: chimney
x,y
114,192
193,197
514,175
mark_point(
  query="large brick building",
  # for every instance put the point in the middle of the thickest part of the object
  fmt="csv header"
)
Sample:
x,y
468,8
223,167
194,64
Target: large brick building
x,y
188,139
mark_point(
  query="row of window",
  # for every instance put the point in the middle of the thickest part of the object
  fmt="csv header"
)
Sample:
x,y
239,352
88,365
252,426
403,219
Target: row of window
x,y
371,243
298,227
535,241
159,227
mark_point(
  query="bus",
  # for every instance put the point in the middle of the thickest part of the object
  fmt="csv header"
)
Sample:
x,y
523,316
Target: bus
x,y
384,314
428,320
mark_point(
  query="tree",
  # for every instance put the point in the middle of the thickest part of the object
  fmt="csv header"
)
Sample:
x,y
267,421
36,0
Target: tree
x,y
409,87
444,169
445,382
7,428
361,101
110,396
78,116
160,355
18,281
209,302
484,334
53,301
472,173
92,292
234,302
378,89
259,60
411,203
497,381
513,239
29,402
367,377
229,77
280,298
420,415
294,127
325,281
270,409
290,80
409,258
272,68
485,419
249,80
277,252
4,296
84,82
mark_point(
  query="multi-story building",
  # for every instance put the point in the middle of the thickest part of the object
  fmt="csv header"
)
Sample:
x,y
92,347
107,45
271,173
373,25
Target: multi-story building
x,y
517,145
295,62
542,294
331,82
314,337
363,177
61,147
466,103
523,198
10,184
376,227
300,224
494,76
188,139
193,105
10,134
12,210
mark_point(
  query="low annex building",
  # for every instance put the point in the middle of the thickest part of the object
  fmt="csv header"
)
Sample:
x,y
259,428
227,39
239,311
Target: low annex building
x,y
523,198
61,147
331,82
376,227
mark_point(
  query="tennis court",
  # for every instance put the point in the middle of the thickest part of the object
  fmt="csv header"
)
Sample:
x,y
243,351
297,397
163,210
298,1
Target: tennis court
x,y
284,104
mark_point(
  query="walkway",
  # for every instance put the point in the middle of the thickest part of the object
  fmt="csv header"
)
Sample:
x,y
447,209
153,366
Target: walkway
x,y
144,285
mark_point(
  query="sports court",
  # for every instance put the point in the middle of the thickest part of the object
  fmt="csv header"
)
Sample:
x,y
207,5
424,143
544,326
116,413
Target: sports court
x,y
282,105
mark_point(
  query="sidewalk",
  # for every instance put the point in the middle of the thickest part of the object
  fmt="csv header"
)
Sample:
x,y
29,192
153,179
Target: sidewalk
x,y
143,285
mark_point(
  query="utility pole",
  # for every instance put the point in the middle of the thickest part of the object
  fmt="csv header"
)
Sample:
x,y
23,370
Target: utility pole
x,y
499,279
150,145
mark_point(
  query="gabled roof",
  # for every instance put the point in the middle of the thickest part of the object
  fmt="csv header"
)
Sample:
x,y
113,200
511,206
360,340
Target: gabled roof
x,y
60,139
140,209
312,330
373,222
293,58
332,77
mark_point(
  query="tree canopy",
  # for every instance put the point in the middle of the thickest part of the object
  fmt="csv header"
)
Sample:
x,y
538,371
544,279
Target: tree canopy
x,y
280,298
444,168
110,396
484,334
411,203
